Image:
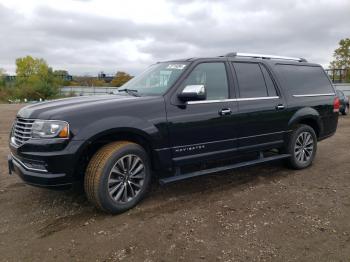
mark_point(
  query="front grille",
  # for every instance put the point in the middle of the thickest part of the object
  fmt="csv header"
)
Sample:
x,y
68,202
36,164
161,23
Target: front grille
x,y
22,130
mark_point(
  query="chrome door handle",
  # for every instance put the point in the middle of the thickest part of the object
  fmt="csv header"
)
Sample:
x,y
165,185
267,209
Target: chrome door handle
x,y
280,107
225,111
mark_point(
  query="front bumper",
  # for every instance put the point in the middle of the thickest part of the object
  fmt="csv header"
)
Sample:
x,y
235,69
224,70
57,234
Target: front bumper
x,y
50,169
37,177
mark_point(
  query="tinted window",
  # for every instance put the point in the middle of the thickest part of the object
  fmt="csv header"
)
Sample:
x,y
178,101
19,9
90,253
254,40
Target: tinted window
x,y
250,80
213,77
302,80
271,90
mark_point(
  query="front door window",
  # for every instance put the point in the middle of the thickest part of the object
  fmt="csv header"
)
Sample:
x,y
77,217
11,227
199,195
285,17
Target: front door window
x,y
213,77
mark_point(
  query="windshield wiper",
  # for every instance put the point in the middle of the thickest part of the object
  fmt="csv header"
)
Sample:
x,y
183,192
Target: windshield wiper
x,y
132,92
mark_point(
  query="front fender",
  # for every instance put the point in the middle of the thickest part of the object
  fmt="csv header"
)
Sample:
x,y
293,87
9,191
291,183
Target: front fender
x,y
155,137
119,124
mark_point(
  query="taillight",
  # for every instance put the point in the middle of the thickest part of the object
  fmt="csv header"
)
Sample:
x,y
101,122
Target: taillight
x,y
336,105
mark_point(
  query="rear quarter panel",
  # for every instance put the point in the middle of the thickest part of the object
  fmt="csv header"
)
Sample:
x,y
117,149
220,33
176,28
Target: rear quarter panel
x,y
318,107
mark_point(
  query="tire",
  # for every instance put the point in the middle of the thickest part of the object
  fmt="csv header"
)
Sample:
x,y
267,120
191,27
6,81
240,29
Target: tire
x,y
117,177
345,111
302,146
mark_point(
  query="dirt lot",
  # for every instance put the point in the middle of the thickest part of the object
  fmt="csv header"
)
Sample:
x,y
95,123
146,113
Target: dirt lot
x,y
265,213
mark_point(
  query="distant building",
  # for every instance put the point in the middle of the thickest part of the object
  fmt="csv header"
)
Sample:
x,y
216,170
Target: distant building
x,y
9,78
104,77
67,77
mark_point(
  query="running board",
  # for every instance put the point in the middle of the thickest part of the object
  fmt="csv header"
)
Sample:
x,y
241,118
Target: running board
x,y
180,176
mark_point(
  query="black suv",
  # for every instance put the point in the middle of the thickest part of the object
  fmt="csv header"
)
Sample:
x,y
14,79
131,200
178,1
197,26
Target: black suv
x,y
176,120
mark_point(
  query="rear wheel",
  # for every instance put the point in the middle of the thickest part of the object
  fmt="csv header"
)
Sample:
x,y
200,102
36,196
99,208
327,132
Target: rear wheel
x,y
302,146
346,110
117,177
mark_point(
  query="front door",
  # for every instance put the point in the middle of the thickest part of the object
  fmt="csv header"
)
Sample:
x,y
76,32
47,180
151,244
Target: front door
x,y
203,130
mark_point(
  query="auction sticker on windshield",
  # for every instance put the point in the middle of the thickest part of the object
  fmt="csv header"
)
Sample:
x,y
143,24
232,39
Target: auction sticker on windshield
x,y
176,66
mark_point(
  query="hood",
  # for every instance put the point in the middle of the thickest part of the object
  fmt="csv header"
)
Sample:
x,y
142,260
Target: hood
x,y
50,109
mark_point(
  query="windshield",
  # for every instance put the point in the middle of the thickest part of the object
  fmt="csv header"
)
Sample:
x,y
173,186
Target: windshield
x,y
156,79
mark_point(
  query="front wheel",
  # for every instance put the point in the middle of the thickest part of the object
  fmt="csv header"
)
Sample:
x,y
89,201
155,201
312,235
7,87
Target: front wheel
x,y
302,146
117,177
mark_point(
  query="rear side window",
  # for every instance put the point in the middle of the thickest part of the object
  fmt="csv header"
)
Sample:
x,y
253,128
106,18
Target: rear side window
x,y
304,80
254,80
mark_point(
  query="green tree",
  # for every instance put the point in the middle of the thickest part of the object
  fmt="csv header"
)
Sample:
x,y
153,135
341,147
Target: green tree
x,y
120,79
98,82
341,57
3,93
84,80
62,76
2,77
61,73
35,79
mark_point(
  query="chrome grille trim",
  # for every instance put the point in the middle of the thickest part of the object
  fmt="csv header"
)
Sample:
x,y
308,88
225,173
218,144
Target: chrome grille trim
x,y
22,130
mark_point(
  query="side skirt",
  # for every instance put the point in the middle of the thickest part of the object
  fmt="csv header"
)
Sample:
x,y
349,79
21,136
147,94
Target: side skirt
x,y
179,176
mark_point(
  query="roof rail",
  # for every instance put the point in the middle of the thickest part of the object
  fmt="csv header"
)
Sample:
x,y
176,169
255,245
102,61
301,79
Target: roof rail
x,y
234,54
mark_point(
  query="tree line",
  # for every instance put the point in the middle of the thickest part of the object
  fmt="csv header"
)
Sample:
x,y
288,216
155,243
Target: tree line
x,y
36,80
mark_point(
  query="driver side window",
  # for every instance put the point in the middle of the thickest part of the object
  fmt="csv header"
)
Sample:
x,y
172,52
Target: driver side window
x,y
213,77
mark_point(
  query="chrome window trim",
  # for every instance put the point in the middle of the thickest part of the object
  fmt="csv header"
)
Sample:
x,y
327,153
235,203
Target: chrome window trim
x,y
19,162
314,95
257,98
232,100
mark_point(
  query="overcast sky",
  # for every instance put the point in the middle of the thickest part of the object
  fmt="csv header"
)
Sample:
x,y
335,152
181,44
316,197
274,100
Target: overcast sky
x,y
88,36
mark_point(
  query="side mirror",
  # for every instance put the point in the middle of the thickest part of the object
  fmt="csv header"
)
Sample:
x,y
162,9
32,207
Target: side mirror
x,y
193,93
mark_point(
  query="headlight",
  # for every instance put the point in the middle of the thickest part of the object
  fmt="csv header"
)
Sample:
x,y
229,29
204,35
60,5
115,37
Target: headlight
x,y
50,129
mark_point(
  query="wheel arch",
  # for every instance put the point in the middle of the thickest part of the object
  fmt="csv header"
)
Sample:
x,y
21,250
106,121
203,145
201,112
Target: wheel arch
x,y
308,116
97,141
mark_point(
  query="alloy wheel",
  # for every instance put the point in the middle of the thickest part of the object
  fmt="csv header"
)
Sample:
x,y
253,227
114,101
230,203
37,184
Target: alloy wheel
x,y
304,147
126,178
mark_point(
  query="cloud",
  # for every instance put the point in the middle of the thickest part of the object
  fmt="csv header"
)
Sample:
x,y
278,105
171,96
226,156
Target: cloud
x,y
109,36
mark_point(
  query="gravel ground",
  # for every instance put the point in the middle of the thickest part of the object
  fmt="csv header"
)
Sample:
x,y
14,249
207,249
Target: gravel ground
x,y
264,213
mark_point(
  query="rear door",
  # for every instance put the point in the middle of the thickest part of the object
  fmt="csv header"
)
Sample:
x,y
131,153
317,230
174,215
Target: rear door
x,y
263,118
